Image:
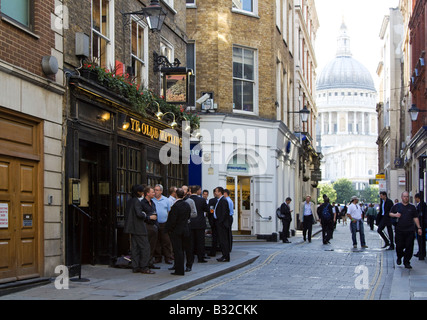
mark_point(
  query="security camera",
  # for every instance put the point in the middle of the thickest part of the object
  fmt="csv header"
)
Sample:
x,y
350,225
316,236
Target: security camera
x,y
203,99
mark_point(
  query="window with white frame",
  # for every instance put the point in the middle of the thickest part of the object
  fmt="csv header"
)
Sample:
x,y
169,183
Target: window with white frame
x,y
191,2
244,79
102,32
246,6
169,3
139,51
20,11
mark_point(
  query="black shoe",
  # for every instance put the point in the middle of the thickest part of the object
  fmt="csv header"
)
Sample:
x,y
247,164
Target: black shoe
x,y
385,246
390,248
188,269
287,241
222,259
177,274
399,261
417,255
136,270
408,266
171,268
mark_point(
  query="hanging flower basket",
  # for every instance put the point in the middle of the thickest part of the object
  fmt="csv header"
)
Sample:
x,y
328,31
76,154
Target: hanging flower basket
x,y
141,100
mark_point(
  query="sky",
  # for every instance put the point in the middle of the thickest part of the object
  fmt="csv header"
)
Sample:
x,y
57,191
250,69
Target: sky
x,y
363,19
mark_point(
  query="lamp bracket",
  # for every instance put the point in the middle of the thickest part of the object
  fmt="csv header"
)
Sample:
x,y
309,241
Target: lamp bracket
x,y
163,62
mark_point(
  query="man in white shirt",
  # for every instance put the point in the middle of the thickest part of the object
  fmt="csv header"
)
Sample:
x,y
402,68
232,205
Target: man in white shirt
x,y
355,214
308,217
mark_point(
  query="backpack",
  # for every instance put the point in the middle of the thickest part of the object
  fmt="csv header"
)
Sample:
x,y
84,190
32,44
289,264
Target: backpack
x,y
326,215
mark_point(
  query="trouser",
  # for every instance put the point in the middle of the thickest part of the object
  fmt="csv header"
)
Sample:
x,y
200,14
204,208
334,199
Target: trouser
x,y
180,245
285,232
140,251
381,226
307,226
357,226
405,245
163,245
152,238
327,229
223,239
197,243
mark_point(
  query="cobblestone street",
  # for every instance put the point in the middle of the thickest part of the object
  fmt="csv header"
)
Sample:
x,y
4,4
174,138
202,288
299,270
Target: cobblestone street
x,y
307,271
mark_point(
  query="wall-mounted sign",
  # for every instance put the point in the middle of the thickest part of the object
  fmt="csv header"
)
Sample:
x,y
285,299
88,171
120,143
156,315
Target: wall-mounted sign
x,y
27,220
145,129
4,215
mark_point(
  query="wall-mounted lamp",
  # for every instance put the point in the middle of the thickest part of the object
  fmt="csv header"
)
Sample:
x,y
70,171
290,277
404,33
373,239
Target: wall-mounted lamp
x,y
304,114
173,124
414,111
154,14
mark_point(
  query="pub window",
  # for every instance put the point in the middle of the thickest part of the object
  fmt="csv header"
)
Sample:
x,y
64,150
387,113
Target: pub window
x,y
20,11
154,173
101,32
128,174
175,175
139,53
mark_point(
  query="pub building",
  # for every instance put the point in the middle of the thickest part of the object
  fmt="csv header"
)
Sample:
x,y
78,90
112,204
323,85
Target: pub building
x,y
109,148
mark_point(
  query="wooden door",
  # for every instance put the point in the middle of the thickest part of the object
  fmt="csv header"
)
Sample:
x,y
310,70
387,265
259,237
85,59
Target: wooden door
x,y
19,243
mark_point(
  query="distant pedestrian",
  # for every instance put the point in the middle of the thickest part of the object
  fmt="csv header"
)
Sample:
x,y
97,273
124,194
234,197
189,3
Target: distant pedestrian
x,y
308,217
286,217
344,214
327,219
406,215
422,216
178,228
371,215
356,216
135,226
384,220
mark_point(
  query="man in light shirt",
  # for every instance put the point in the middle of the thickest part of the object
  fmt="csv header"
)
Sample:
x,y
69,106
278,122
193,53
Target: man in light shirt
x,y
164,245
308,217
355,214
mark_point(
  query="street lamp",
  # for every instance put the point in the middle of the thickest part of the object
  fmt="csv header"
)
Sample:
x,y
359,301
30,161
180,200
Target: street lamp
x,y
154,14
304,114
414,111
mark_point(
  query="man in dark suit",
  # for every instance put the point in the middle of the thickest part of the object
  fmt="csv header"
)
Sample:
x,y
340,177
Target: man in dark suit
x,y
211,206
286,217
198,225
222,221
177,227
384,221
135,226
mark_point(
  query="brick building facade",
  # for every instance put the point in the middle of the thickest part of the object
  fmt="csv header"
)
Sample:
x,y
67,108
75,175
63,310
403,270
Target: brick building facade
x,y
248,126
31,104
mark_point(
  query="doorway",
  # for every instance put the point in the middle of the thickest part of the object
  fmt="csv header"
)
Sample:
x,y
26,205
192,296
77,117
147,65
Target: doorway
x,y
240,192
20,244
95,200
